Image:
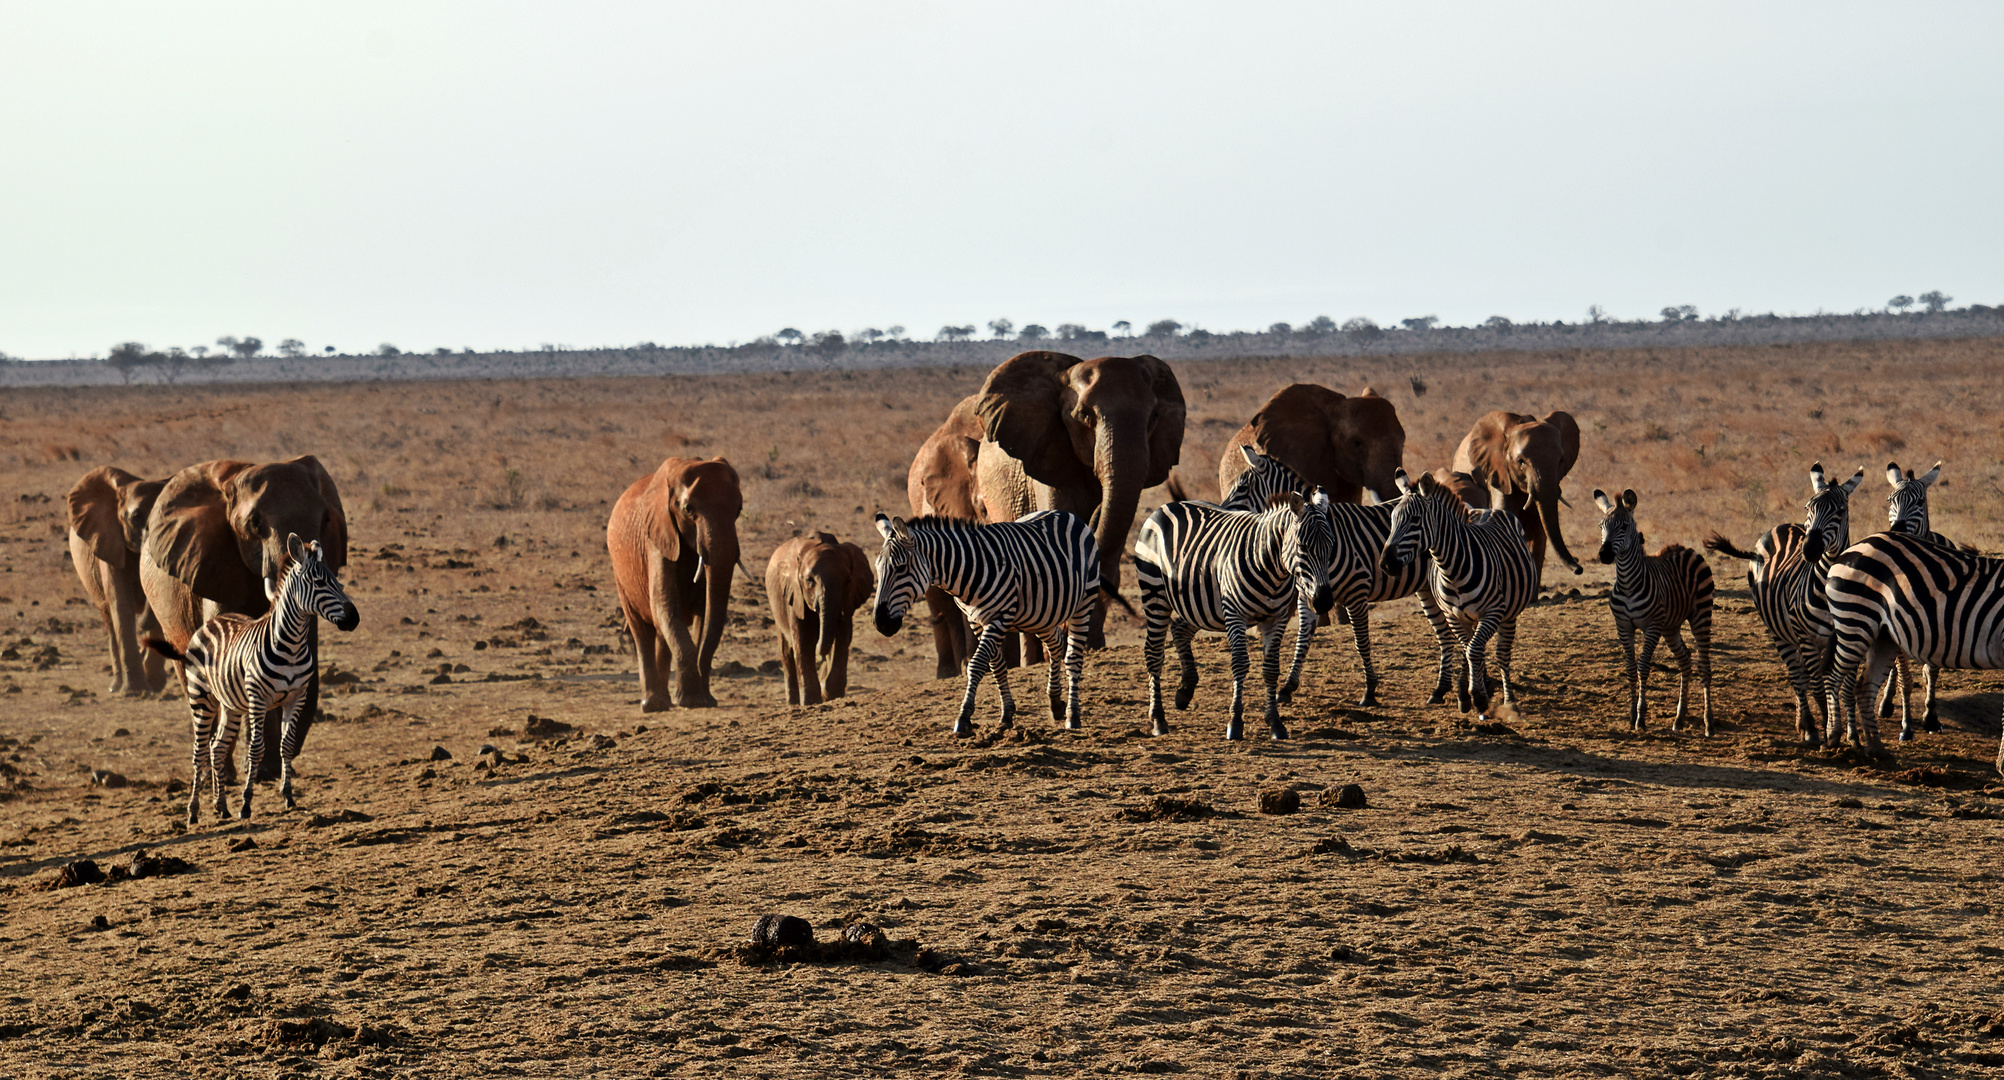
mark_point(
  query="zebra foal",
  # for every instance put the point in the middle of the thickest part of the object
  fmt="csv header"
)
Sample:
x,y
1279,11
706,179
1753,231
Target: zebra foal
x,y
1205,567
1906,513
1482,578
1656,594
1786,572
236,669
1036,575
1891,594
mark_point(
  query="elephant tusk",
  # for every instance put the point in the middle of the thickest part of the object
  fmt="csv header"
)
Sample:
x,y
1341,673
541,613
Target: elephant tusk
x,y
1567,502
699,569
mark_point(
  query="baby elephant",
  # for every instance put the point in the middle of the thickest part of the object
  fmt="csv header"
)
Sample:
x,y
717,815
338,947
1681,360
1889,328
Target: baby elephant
x,y
816,583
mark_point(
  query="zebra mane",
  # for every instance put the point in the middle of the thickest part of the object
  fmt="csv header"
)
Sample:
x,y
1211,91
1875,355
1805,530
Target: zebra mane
x,y
942,522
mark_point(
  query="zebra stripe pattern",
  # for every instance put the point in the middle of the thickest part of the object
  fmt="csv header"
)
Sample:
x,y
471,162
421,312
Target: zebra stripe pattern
x,y
1656,594
1356,580
1483,576
1204,567
1892,594
237,668
1036,575
1907,514
1786,572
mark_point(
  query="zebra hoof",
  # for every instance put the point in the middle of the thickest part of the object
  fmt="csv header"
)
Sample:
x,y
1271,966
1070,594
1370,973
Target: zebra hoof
x,y
1370,700
1234,731
1906,736
1277,730
1072,723
963,730
1931,726
1285,696
1183,696
1161,728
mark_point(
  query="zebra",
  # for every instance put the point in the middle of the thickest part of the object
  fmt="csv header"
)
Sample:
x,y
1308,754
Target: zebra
x,y
1355,578
1482,576
1657,594
1037,575
1204,567
1906,512
1892,593
1786,573
237,667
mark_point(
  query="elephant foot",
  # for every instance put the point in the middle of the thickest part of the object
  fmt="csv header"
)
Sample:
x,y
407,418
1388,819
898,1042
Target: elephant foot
x,y
656,703
701,699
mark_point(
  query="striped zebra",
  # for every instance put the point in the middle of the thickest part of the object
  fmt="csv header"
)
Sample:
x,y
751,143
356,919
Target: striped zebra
x,y
1785,573
1204,567
1657,594
1906,513
1482,577
1356,580
1892,594
1036,575
237,668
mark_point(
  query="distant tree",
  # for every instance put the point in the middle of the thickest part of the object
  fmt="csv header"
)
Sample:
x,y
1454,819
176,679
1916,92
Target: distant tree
x,y
1070,331
1280,329
292,348
200,351
329,350
1032,332
1420,322
1900,303
869,334
1198,336
1936,301
955,333
441,351
173,362
1321,324
828,343
1680,313
127,357
1362,328
1124,328
1498,322
387,349
895,333
790,336
1163,328
1596,314
228,342
1001,327
248,348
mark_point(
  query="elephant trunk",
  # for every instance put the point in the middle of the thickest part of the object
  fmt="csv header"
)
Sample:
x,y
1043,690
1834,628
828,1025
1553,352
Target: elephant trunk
x,y
1123,466
720,558
824,602
1548,515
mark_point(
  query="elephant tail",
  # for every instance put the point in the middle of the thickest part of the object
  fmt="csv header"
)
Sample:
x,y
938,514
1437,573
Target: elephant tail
x,y
1723,546
164,647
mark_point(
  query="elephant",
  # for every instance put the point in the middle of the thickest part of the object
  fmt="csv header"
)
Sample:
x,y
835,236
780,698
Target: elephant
x,y
1345,444
1525,459
816,583
108,512
215,544
1091,434
942,483
673,539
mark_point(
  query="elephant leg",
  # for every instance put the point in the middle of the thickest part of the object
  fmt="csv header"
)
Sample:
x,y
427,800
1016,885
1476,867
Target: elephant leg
x,y
1034,652
807,639
116,641
152,665
672,623
649,651
1186,662
789,665
949,634
838,663
1270,634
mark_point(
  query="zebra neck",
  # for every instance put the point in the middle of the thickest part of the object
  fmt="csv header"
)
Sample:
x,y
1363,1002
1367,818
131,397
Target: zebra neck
x,y
292,615
1631,572
1448,542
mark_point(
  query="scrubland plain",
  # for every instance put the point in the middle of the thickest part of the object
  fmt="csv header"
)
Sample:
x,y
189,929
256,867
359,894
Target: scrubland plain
x,y
1547,895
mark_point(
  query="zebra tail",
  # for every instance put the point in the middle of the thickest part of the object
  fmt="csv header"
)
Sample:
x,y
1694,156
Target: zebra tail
x,y
1175,489
164,648
1723,546
1112,593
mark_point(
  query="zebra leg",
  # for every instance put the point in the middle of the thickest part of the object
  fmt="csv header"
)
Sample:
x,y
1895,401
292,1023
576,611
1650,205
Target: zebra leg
x,y
202,716
1506,649
1879,663
1001,673
288,747
1054,647
1701,636
1186,659
1235,640
222,752
1360,629
254,756
1930,722
1076,635
1444,636
1270,633
1625,631
986,644
1682,653
1644,657
1156,608
1900,686
1306,620
1478,665
1798,678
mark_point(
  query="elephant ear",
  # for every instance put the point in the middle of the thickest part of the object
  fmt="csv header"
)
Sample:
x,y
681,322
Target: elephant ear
x,y
1022,408
94,505
135,508
1165,427
189,534
1569,440
334,536
657,515
1293,427
862,580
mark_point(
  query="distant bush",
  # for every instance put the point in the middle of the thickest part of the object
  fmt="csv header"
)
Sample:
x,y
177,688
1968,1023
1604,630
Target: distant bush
x,y
1162,328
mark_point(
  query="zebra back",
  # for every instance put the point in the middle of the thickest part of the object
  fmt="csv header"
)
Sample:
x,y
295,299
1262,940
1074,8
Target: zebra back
x,y
1661,590
1267,477
1940,605
1259,563
1481,559
1032,574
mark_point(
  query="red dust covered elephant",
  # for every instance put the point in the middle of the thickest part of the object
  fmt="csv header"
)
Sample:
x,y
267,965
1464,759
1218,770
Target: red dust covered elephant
x,y
673,538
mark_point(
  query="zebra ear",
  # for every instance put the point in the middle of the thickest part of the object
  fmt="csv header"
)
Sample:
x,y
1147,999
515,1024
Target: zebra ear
x,y
1628,498
1252,456
1857,478
1817,484
899,527
1290,499
1893,476
294,547
1929,477
1600,500
883,525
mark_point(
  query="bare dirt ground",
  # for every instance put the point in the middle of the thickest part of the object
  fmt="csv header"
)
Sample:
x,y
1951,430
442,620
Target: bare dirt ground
x,y
1548,895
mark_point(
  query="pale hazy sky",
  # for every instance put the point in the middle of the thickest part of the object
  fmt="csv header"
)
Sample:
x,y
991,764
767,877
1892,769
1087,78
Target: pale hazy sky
x,y
502,175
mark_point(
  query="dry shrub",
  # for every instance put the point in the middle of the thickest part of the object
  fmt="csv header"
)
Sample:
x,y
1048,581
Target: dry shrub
x,y
1881,440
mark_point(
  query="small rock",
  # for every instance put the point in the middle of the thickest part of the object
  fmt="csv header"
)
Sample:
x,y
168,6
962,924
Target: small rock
x,y
80,872
99,922
1279,801
176,785
500,731
243,844
1347,797
1849,803
440,753
542,727
486,749
440,679
120,733
770,667
602,742
239,992
428,774
781,931
105,778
